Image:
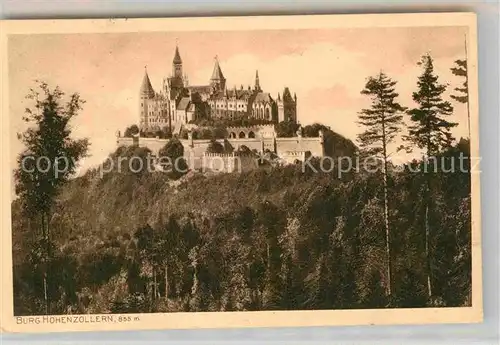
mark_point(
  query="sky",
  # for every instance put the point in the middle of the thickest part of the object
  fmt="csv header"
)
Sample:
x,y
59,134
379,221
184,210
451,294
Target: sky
x,y
326,68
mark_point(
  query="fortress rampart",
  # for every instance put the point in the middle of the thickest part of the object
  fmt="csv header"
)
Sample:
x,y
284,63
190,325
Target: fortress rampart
x,y
195,150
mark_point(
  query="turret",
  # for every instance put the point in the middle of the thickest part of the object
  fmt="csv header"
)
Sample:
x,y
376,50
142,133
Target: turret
x,y
176,81
217,80
177,64
289,106
257,82
146,90
146,93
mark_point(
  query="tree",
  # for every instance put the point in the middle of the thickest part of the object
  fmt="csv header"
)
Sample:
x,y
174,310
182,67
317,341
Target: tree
x,y
49,160
460,69
149,246
431,132
228,148
131,131
286,129
173,151
206,133
244,149
215,147
312,131
382,122
166,132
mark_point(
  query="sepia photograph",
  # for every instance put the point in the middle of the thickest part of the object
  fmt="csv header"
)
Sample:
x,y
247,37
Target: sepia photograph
x,y
235,172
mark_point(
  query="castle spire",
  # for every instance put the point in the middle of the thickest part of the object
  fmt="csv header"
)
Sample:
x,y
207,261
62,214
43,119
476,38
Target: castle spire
x,y
218,81
177,56
217,72
146,87
257,83
177,68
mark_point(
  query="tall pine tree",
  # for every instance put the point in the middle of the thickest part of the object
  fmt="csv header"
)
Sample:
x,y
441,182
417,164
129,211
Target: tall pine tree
x,y
462,95
431,132
382,122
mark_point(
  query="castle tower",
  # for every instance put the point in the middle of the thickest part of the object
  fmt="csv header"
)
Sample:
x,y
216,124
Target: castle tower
x,y
281,109
176,81
177,64
289,112
146,93
257,82
218,82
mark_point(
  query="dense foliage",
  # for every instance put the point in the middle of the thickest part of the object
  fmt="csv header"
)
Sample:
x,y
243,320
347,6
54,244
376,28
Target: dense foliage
x,y
285,238
47,163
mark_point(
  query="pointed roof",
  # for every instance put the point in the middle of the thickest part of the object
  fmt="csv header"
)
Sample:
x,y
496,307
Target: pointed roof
x,y
287,96
177,56
263,97
183,103
146,87
217,73
257,83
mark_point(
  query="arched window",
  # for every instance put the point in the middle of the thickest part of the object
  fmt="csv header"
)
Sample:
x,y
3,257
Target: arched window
x,y
267,114
251,135
242,135
232,135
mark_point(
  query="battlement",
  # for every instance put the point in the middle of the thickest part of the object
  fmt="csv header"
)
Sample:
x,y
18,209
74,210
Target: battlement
x,y
229,155
295,153
251,132
249,128
229,162
195,150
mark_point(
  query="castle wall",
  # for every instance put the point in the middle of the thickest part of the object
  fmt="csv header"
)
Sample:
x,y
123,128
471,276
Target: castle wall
x,y
289,149
261,131
313,145
229,162
154,144
122,141
252,144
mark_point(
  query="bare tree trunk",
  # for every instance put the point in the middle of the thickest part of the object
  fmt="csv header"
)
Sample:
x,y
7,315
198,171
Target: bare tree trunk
x,y
427,198
155,285
268,256
386,215
49,259
387,234
166,282
427,249
45,267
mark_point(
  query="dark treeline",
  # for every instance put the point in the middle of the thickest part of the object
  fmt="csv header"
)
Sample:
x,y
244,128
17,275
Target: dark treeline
x,y
279,239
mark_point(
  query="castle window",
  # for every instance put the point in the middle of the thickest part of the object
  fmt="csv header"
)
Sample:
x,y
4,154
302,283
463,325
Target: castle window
x,y
242,135
251,135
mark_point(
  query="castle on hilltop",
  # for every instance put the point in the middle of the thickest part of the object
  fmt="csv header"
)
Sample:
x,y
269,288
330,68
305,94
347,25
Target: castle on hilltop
x,y
179,103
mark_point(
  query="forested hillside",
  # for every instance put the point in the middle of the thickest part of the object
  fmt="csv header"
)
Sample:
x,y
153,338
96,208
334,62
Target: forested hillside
x,y
279,238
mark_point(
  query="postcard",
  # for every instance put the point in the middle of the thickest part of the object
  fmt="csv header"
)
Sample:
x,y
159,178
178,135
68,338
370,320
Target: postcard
x,y
260,171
